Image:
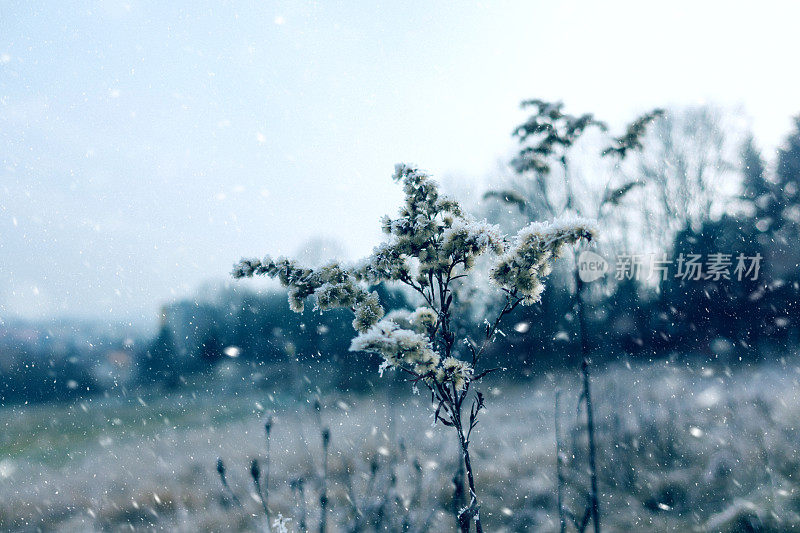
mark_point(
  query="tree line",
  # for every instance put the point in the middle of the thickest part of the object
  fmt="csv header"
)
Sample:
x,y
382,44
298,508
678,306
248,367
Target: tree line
x,y
698,228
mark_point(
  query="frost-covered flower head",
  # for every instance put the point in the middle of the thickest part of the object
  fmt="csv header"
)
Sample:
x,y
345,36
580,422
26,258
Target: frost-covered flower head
x,y
430,245
332,287
455,370
530,257
398,347
420,320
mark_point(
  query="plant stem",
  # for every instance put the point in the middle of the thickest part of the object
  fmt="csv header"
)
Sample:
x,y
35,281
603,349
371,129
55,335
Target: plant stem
x,y
301,500
474,507
459,499
224,479
562,519
267,431
595,505
323,497
581,310
255,473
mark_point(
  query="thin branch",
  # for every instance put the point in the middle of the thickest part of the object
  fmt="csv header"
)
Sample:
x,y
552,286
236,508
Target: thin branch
x,y
485,372
512,302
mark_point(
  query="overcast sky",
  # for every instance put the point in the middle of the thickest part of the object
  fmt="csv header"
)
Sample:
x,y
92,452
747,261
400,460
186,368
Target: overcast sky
x,y
146,146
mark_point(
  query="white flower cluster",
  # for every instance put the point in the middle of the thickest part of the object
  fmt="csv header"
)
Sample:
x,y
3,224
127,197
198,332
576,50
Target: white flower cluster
x,y
332,285
398,347
454,370
432,229
387,262
402,347
401,338
467,238
420,320
530,258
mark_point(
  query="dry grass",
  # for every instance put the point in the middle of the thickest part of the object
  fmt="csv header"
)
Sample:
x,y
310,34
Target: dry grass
x,y
682,448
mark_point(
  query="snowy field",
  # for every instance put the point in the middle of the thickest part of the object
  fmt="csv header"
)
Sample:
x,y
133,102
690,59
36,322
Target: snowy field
x,y
681,448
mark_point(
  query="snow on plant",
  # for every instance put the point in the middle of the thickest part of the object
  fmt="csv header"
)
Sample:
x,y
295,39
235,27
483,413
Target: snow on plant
x,y
431,246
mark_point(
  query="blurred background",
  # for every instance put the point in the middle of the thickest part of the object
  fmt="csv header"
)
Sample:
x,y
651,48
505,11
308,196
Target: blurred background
x,y
146,147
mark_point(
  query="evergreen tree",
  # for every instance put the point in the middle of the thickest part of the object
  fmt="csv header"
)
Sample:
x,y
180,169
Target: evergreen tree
x,y
159,364
787,176
757,190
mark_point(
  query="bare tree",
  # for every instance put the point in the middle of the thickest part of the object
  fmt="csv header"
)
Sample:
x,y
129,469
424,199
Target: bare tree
x,y
689,165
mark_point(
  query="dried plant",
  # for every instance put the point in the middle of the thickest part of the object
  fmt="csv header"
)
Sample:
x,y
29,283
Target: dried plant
x,y
591,510
547,139
255,474
562,521
224,479
298,489
323,493
594,498
260,483
431,247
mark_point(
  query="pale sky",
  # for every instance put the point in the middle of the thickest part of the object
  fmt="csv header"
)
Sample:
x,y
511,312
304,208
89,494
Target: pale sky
x,y
146,146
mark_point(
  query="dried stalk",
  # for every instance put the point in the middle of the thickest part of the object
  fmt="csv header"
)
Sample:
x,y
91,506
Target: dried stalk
x,y
562,519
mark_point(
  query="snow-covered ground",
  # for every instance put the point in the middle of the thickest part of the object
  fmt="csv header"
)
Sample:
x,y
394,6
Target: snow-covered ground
x,y
681,447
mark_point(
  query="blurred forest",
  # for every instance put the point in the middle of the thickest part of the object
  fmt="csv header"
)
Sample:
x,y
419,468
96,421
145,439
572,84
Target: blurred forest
x,y
697,185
